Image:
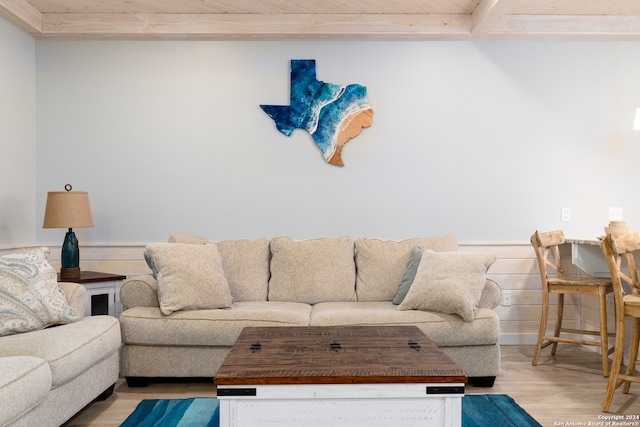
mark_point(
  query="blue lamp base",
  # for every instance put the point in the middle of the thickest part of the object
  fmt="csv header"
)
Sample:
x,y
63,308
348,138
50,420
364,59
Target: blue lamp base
x,y
70,257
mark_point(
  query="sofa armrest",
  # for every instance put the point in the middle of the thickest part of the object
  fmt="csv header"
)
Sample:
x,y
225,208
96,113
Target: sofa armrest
x,y
76,295
139,291
491,295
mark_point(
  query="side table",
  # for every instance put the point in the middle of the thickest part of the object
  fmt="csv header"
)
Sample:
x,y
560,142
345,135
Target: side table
x,y
104,292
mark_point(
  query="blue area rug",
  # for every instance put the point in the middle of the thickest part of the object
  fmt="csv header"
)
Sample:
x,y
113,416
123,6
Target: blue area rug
x,y
495,410
200,411
478,410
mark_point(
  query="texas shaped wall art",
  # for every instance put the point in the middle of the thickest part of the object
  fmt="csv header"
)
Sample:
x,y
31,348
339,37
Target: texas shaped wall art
x,y
331,113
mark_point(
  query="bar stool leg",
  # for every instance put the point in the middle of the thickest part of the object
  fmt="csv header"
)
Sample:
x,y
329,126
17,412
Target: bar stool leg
x,y
604,332
543,327
633,354
556,333
615,366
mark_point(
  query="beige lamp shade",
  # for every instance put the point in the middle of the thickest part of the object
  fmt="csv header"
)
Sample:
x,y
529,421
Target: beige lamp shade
x,y
67,209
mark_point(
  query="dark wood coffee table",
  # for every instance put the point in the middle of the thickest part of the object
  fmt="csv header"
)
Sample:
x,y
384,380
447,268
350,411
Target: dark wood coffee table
x,y
338,376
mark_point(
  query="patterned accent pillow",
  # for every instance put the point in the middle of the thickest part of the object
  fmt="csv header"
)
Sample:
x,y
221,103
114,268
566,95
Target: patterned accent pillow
x,y
29,295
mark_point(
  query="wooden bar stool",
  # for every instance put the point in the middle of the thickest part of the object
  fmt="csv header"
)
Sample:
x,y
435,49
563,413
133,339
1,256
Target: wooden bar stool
x,y
617,249
547,248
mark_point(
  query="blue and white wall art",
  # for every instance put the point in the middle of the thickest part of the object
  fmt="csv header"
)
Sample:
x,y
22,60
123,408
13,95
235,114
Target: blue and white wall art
x,y
333,114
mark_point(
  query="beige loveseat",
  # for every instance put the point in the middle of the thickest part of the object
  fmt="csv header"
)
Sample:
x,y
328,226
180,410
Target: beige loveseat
x,y
182,320
48,375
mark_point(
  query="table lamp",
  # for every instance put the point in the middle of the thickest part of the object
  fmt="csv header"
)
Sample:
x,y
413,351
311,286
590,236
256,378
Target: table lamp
x,y
68,209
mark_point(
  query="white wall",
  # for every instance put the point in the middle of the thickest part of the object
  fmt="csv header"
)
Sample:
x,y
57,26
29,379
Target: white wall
x,y
483,139
17,137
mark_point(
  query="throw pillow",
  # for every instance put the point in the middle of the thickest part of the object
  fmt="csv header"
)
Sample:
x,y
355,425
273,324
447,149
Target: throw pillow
x,y
409,274
381,263
149,260
245,264
190,277
29,295
449,282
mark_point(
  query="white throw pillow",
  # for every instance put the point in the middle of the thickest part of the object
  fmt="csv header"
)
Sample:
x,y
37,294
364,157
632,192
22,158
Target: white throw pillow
x,y
245,264
449,282
190,277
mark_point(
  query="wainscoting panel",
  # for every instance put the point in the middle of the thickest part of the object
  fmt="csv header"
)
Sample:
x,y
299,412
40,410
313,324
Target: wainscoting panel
x,y
515,270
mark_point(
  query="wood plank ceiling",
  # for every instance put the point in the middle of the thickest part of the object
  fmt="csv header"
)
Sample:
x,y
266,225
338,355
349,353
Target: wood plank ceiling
x,y
320,19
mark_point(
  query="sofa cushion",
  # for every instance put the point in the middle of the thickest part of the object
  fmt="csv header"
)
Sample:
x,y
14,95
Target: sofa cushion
x,y
313,270
245,264
444,329
69,349
139,291
29,295
76,295
449,282
491,295
188,238
189,277
25,381
381,263
141,325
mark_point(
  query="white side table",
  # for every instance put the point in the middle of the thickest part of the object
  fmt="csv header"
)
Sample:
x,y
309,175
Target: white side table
x,y
103,290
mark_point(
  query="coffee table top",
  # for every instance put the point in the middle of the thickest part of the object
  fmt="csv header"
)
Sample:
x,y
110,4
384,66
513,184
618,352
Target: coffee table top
x,y
336,355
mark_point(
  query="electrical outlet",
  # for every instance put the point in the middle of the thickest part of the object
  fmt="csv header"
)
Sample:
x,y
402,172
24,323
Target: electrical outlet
x,y
566,215
615,214
506,298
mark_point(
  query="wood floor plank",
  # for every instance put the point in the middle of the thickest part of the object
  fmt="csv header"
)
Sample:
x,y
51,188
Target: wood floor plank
x,y
565,388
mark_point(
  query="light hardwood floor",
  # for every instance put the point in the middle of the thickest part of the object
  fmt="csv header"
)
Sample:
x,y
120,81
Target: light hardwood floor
x,y
565,389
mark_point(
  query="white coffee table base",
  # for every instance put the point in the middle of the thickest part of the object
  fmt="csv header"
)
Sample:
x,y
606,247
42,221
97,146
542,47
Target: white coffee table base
x,y
370,405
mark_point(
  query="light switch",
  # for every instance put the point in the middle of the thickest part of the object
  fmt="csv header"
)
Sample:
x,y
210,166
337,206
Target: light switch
x,y
615,214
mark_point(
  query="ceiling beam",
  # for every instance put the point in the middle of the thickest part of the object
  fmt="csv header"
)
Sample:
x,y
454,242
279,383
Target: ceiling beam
x,y
257,25
568,26
22,14
487,14
491,18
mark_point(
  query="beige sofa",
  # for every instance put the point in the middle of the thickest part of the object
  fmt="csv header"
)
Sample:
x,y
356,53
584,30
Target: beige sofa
x,y
48,375
182,320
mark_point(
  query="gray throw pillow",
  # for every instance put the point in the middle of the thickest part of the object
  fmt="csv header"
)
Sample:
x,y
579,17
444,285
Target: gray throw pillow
x,y
409,274
149,260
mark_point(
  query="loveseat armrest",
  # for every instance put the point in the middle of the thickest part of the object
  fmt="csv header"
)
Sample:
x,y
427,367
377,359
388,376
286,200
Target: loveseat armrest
x,y
139,291
491,295
76,295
